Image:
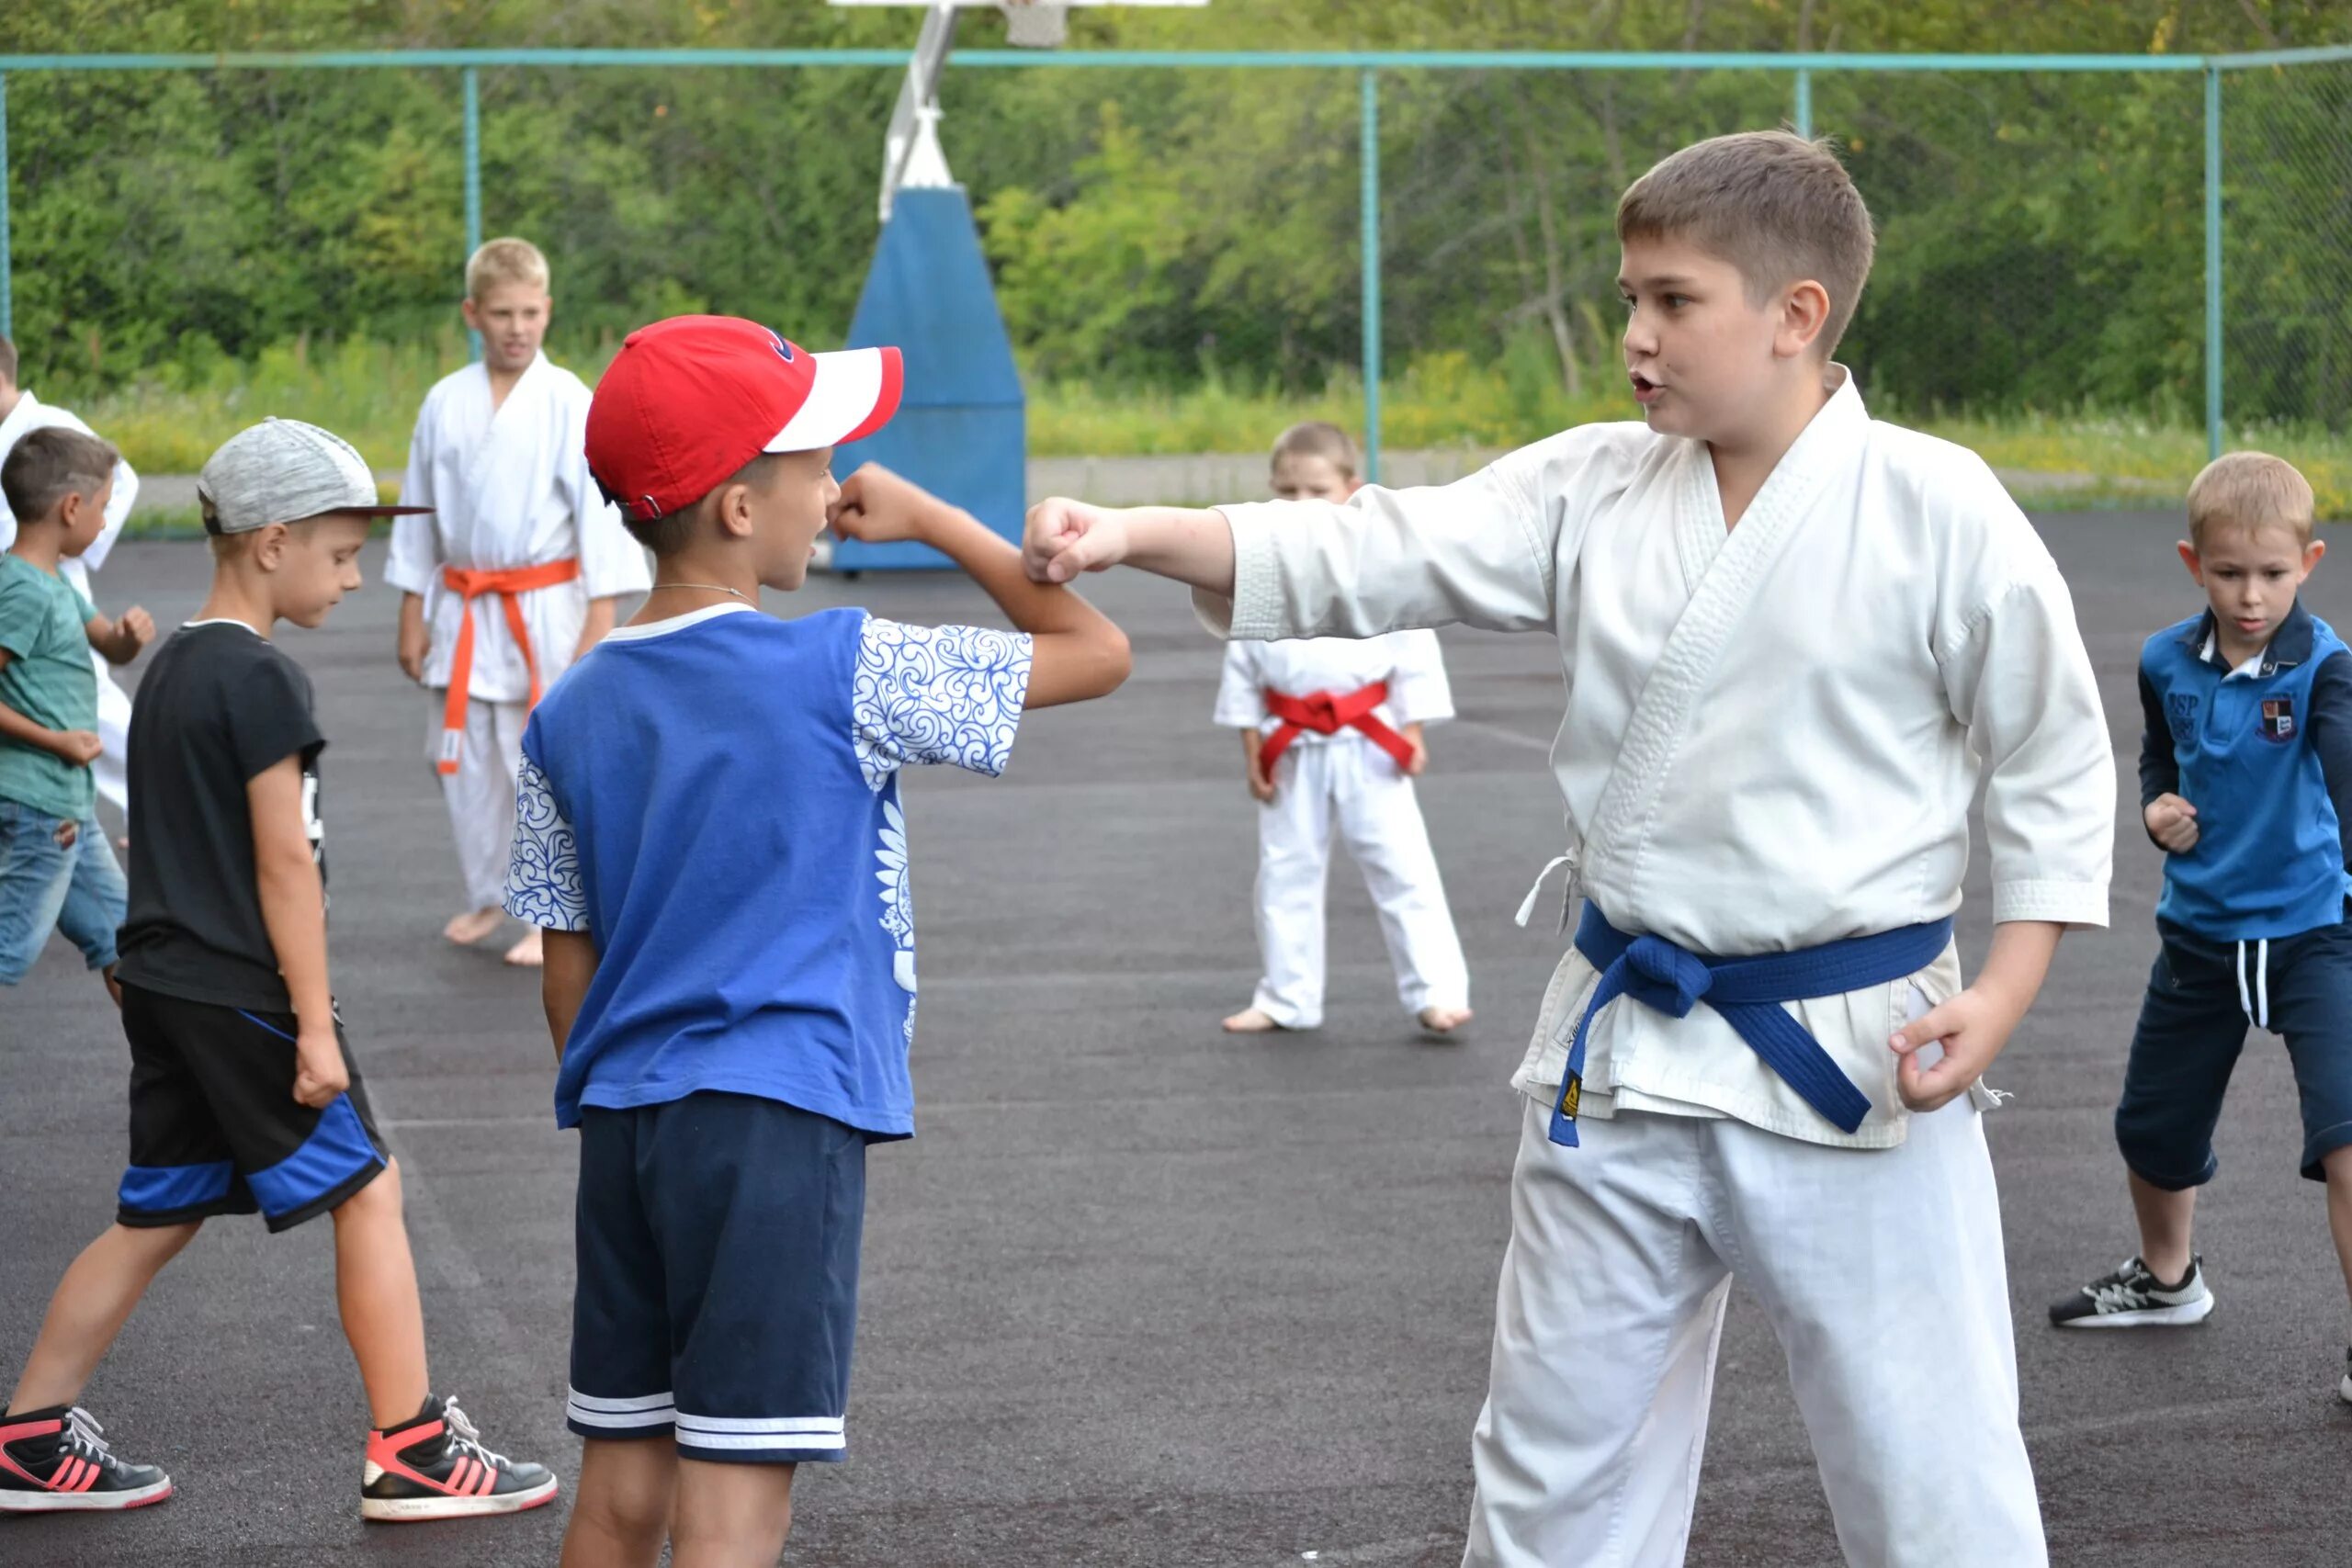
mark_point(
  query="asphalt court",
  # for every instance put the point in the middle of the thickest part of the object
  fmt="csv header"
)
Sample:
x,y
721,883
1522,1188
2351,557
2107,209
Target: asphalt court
x,y
1141,1293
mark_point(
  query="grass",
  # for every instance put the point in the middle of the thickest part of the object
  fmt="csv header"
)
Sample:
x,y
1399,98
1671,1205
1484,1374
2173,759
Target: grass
x,y
368,392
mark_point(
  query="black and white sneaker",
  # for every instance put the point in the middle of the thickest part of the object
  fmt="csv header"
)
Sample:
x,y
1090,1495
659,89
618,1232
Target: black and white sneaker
x,y
2343,1388
434,1467
56,1460
2133,1298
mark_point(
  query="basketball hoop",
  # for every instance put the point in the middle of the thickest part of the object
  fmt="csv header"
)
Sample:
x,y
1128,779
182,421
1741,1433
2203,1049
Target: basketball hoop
x,y
1035,24
911,154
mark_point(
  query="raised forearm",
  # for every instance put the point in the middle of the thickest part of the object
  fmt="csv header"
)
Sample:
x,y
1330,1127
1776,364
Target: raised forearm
x,y
1192,545
1037,608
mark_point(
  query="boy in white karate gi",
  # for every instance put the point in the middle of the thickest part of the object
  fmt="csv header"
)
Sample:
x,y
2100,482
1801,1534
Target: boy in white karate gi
x,y
21,413
1347,716
516,572
1794,639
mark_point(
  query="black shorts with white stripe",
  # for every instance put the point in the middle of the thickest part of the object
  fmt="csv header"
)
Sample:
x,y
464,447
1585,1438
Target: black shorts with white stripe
x,y
718,1239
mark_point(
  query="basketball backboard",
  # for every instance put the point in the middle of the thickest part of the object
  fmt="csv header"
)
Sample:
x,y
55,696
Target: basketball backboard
x,y
1028,24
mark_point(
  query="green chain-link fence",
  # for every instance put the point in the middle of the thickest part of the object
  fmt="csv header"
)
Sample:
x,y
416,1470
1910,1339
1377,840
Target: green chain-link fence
x,y
1180,240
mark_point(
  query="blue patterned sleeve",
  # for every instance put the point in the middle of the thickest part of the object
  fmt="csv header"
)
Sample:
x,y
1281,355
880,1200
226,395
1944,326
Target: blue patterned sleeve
x,y
543,874
947,695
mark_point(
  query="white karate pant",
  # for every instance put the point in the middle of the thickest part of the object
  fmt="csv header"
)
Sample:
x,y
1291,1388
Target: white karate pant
x,y
480,794
113,738
1883,1275
1351,785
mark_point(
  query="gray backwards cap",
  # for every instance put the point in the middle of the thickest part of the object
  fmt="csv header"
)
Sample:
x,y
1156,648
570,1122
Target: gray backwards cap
x,y
282,470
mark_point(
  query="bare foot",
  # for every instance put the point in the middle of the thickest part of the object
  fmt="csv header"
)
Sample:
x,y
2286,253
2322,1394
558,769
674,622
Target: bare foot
x,y
526,954
474,925
1251,1021
1445,1020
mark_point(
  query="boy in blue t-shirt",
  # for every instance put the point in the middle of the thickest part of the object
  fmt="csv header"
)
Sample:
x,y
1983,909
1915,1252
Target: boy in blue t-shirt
x,y
710,833
2246,782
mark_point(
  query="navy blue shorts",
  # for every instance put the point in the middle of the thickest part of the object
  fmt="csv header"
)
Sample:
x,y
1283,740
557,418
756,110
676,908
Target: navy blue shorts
x,y
215,1128
717,1290
2202,997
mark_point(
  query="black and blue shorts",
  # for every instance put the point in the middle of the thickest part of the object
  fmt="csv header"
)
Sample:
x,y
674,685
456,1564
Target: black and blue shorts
x,y
2202,997
717,1295
215,1128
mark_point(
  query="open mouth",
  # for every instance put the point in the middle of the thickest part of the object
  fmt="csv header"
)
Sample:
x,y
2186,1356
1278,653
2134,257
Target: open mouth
x,y
1646,391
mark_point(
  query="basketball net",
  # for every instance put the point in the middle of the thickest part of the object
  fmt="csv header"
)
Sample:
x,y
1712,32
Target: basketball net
x,y
1035,24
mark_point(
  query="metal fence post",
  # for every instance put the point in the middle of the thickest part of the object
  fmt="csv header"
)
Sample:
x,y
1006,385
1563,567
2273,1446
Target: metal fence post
x,y
2212,261
7,282
1804,102
473,175
1369,87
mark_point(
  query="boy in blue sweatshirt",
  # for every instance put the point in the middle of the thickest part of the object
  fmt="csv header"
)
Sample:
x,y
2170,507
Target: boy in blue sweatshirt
x,y
2245,783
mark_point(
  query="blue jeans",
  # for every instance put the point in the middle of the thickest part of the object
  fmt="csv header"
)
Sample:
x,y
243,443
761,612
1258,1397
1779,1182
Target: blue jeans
x,y
77,889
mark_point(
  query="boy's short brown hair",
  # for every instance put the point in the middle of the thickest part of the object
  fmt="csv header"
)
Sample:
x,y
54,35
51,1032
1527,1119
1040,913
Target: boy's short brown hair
x,y
1777,206
1315,438
2249,491
49,465
504,260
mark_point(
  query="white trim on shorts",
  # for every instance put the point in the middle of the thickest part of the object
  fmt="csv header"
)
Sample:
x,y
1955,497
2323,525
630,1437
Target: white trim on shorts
x,y
737,1434
621,1415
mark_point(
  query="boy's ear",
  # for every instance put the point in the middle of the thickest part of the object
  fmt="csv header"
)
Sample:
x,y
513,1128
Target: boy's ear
x,y
1353,485
1804,310
268,549
2312,554
735,512
2196,566
471,311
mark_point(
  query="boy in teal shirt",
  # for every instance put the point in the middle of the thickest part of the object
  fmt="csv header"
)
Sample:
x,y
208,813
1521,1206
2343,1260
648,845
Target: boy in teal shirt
x,y
56,868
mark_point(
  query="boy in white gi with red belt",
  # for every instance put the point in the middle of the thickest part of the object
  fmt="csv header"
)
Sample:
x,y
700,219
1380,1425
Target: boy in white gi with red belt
x,y
514,574
1795,639
1347,714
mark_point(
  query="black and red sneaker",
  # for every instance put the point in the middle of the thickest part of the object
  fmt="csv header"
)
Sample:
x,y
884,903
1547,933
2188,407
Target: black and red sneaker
x,y
436,1468
56,1460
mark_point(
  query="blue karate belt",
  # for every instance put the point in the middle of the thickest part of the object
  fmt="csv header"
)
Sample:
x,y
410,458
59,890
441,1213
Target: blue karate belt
x,y
1748,992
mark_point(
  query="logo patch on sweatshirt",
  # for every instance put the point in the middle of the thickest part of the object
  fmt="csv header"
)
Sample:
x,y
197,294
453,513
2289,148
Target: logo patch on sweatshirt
x,y
2180,710
2277,718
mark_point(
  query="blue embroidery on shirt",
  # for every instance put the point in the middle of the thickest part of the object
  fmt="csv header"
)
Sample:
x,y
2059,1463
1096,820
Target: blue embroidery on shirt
x,y
950,694
543,874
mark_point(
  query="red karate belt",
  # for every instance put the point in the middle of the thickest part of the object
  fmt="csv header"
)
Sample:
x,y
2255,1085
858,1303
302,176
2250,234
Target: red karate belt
x,y
1327,714
473,585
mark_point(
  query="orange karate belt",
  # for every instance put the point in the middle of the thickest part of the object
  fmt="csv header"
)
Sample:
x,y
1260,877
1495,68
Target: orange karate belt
x,y
1327,714
473,585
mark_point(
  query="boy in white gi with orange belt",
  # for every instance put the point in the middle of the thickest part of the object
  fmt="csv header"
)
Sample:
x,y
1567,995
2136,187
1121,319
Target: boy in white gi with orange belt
x,y
1348,716
514,574
1794,640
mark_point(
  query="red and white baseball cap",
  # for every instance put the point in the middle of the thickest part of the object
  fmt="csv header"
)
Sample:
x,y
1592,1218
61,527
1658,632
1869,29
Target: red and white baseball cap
x,y
689,400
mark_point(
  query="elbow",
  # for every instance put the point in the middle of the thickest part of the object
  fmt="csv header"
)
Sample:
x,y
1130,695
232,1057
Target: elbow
x,y
1117,661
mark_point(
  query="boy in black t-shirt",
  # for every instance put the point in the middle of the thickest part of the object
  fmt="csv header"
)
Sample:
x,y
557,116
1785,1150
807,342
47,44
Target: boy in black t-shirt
x,y
243,1096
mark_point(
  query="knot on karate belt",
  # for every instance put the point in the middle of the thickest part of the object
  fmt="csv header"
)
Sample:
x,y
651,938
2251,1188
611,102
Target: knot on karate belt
x,y
1750,994
470,586
1327,715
